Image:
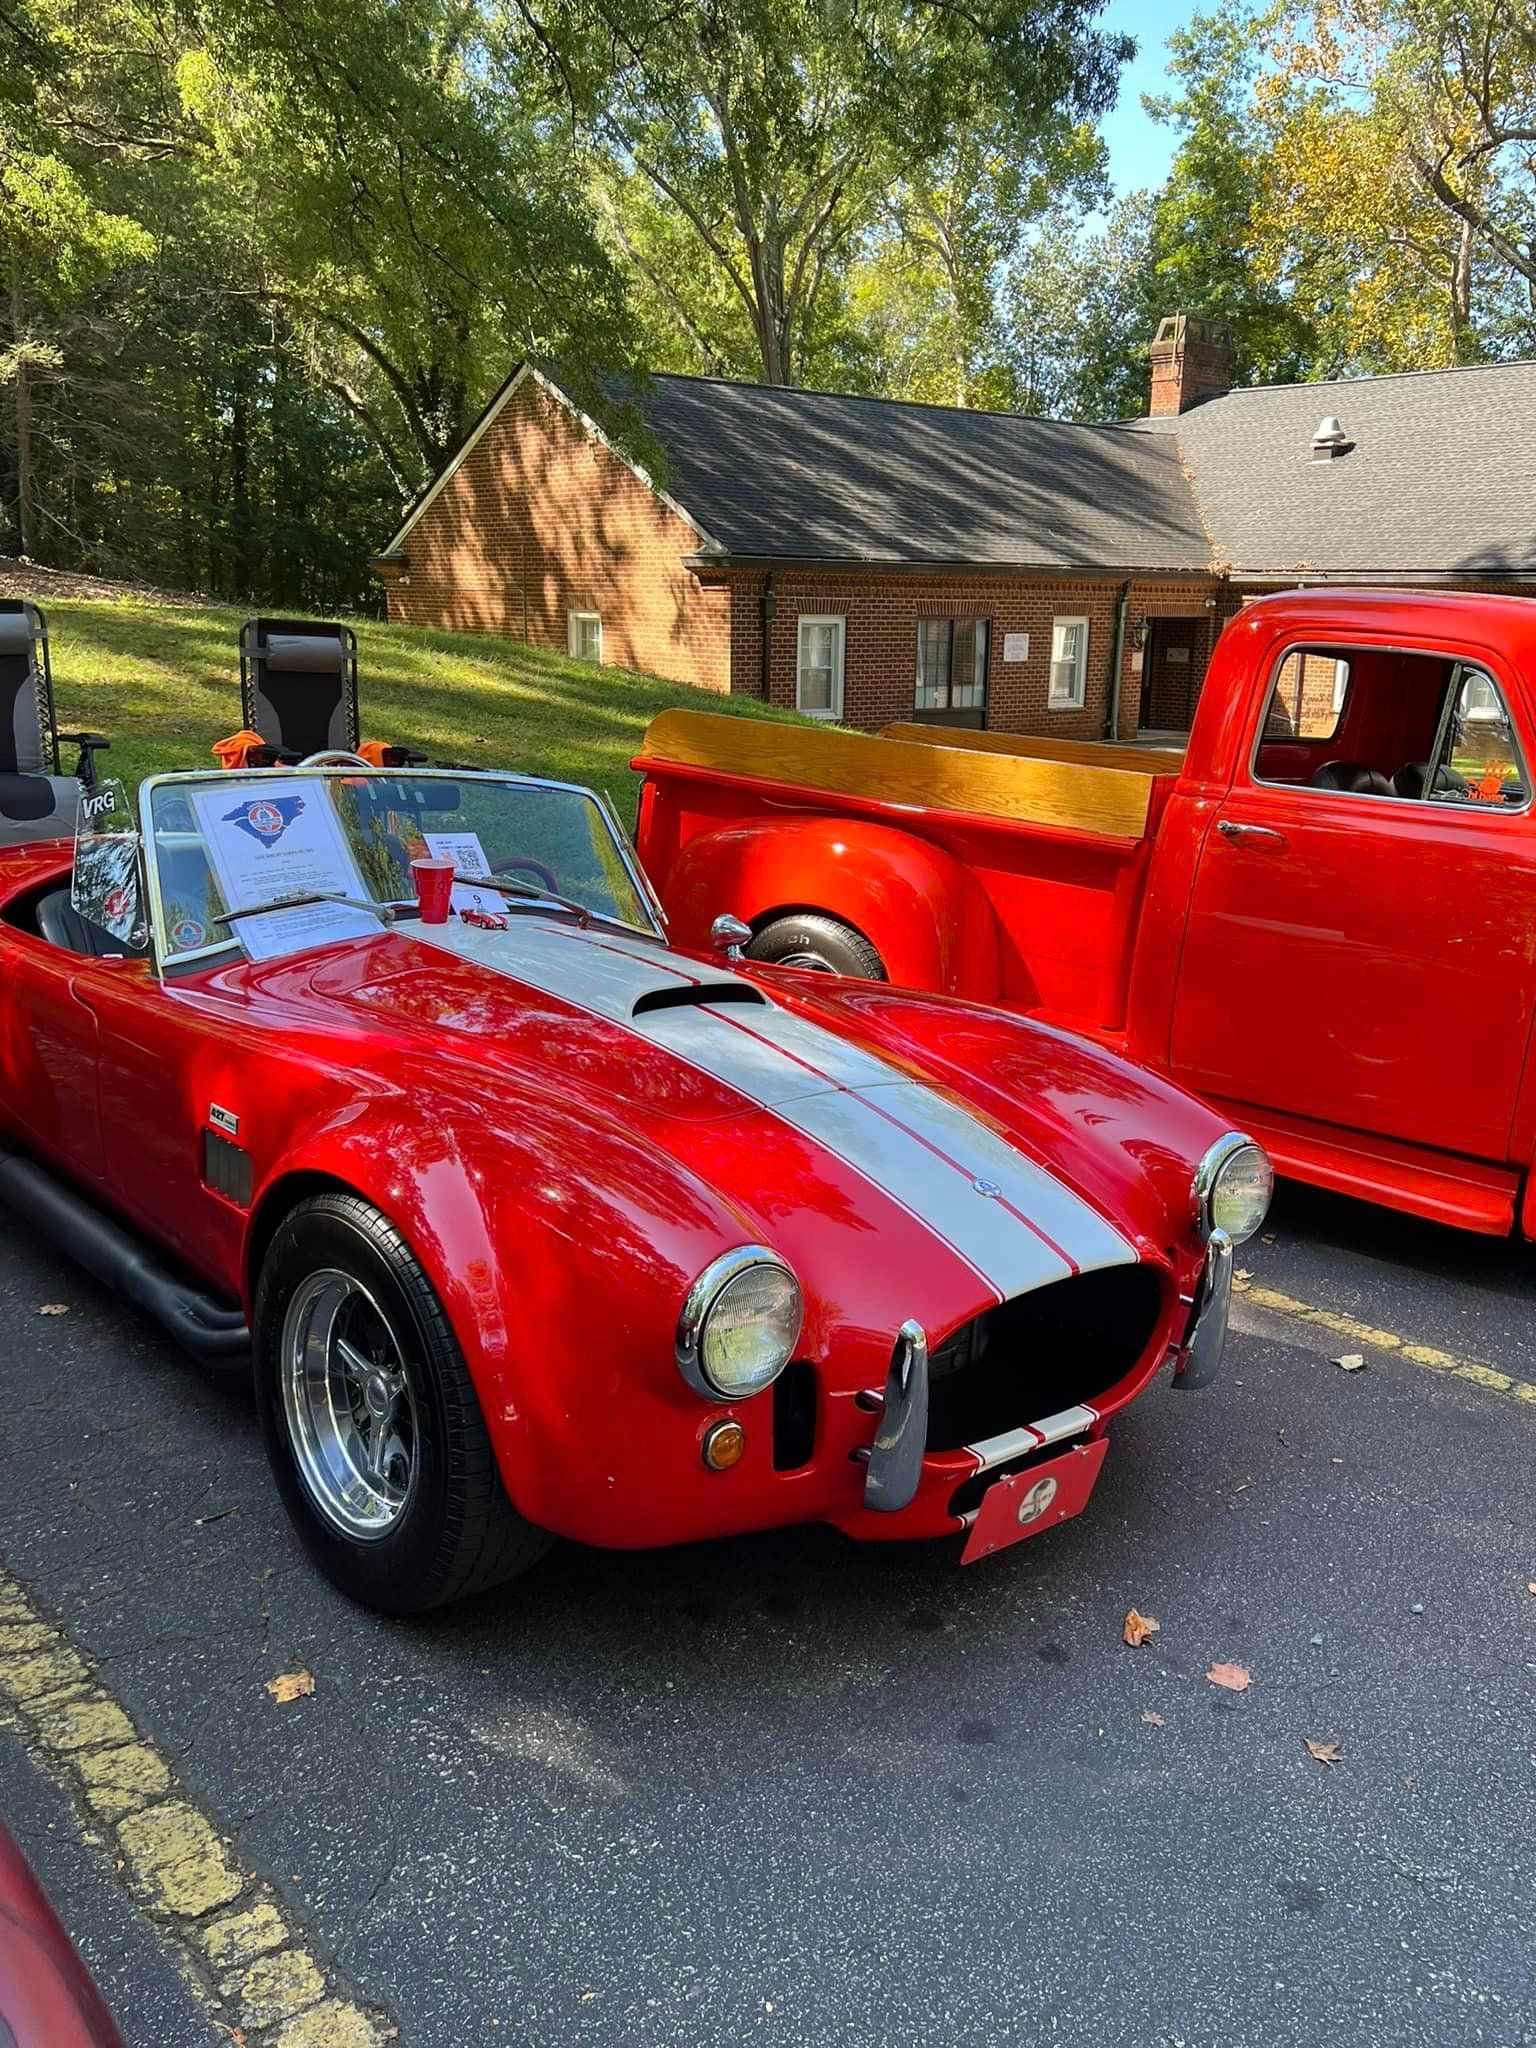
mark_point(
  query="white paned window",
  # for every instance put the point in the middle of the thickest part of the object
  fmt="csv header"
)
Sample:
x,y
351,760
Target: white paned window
x,y
584,636
819,665
1069,664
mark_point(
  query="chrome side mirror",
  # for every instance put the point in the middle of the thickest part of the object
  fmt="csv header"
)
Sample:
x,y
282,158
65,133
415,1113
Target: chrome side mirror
x,y
728,935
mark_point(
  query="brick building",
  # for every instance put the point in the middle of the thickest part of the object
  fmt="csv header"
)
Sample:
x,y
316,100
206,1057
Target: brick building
x,y
870,560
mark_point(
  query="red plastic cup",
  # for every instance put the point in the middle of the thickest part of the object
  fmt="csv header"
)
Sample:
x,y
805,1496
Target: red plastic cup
x,y
433,876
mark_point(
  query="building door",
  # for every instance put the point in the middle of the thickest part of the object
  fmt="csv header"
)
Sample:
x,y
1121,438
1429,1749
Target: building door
x,y
1172,670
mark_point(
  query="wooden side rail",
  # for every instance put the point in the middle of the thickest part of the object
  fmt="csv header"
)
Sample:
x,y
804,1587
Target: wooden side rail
x,y
1090,753
1109,800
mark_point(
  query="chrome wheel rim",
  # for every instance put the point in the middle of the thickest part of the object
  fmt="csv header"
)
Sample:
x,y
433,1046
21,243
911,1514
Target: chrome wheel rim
x,y
813,963
348,1406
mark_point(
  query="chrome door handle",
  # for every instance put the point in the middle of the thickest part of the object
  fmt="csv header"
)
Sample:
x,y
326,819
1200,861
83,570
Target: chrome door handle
x,y
1250,835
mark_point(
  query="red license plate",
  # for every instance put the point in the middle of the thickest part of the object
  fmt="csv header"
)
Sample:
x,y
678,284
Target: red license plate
x,y
1035,1499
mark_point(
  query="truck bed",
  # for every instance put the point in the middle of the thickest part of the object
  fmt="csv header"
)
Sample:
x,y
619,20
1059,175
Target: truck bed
x,y
1053,785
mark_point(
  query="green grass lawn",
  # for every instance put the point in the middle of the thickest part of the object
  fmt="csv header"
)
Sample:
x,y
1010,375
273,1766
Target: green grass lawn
x,y
164,683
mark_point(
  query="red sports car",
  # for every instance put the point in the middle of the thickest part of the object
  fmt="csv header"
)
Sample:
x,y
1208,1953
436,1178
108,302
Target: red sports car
x,y
47,1999
537,1227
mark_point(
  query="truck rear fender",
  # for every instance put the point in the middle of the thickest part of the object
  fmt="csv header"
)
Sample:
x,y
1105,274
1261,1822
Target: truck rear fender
x,y
919,907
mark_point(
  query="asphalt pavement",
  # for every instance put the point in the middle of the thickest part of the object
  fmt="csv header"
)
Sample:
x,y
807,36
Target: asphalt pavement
x,y
799,1791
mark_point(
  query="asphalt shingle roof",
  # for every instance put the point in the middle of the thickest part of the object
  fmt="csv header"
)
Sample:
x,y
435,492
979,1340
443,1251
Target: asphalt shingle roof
x,y
1441,479
808,475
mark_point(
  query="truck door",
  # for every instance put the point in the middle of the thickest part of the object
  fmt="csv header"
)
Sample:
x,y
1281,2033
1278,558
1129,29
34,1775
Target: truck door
x,y
1359,950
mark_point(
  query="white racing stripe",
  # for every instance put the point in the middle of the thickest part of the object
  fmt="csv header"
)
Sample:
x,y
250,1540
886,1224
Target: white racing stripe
x,y
1009,1218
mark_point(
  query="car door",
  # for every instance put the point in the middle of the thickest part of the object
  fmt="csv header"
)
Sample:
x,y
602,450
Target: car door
x,y
1361,957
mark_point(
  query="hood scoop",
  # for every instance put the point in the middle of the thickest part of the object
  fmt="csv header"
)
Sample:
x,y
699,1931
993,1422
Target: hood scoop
x,y
693,995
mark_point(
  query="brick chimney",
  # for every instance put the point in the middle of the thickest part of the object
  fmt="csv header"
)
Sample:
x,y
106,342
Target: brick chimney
x,y
1191,359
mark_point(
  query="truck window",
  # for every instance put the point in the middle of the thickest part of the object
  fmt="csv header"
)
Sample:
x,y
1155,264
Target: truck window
x,y
1479,759
1366,721
1308,697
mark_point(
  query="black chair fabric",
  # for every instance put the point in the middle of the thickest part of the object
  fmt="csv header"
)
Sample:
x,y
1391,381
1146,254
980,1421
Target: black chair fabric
x,y
298,684
36,801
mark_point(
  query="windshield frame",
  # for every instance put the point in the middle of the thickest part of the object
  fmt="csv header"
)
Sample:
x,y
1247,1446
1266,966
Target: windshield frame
x,y
216,777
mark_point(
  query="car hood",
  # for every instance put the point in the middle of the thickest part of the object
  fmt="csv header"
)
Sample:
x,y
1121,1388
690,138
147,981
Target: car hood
x,y
662,1035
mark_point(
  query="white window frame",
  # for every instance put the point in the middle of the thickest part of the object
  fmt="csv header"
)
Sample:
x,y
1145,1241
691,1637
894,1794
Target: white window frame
x,y
1080,680
574,621
839,647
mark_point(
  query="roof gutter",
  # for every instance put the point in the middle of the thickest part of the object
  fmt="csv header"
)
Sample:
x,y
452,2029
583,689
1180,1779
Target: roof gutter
x,y
1039,572
1386,579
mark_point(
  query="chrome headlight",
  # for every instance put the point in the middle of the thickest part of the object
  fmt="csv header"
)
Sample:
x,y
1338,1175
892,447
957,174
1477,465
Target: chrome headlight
x,y
739,1325
1233,1186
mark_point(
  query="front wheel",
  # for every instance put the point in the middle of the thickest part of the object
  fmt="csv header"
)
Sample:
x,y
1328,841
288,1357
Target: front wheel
x,y
825,945
372,1426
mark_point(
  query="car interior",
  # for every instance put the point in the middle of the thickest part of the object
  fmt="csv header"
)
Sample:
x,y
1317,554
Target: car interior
x,y
1369,721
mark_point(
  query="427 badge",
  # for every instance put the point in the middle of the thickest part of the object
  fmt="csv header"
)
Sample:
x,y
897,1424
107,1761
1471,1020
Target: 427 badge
x,y
265,818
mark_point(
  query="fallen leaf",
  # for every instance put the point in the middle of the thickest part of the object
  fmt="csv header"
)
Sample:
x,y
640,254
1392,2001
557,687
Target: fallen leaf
x,y
1268,1238
54,1308
1351,1362
1233,1677
291,1685
1139,1628
1324,1752
1531,1589
1153,1720
1242,1273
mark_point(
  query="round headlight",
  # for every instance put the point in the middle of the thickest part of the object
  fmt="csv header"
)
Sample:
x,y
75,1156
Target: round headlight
x,y
1233,1186
739,1325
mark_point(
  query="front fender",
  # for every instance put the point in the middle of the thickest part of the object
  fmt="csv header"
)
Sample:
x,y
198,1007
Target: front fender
x,y
560,1246
917,905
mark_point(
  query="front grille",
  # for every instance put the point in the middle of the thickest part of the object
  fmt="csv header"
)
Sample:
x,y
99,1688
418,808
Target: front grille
x,y
1040,1353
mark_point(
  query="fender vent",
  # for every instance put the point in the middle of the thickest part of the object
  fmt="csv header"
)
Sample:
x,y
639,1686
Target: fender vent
x,y
227,1168
683,997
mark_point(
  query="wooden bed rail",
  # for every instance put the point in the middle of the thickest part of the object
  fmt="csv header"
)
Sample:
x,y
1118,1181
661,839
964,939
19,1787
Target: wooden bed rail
x,y
1102,796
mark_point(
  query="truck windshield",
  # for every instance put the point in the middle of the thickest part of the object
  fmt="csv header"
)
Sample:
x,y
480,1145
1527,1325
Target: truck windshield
x,y
247,843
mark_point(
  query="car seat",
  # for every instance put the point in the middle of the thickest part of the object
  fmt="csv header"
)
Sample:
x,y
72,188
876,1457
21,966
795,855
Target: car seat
x,y
1354,776
36,801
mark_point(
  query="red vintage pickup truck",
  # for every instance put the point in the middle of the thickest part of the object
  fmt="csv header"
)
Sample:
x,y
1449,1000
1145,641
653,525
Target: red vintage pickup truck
x,y
1322,917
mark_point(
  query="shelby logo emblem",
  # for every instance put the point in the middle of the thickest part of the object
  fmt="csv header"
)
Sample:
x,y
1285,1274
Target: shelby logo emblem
x,y
266,818
224,1120
1036,1501
989,1188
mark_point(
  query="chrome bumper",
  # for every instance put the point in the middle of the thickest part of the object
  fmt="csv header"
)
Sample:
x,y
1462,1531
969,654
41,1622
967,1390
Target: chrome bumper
x,y
1200,1360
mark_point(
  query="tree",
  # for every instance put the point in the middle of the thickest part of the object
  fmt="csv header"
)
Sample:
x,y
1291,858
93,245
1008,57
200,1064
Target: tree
x,y
1405,143
758,140
1204,252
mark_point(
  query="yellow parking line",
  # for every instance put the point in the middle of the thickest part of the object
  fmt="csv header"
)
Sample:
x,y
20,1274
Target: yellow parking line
x,y
1486,1377
228,1931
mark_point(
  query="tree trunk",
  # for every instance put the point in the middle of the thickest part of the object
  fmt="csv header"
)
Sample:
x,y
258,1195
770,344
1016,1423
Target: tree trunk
x,y
26,504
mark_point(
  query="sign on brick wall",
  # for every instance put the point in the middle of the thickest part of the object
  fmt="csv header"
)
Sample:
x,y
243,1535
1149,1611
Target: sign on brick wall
x,y
1015,647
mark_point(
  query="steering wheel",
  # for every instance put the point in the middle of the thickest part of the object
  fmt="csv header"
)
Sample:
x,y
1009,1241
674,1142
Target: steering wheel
x,y
334,757
545,875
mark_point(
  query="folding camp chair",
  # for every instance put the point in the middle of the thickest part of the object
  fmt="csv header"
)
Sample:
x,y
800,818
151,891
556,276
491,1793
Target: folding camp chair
x,y
298,696
36,800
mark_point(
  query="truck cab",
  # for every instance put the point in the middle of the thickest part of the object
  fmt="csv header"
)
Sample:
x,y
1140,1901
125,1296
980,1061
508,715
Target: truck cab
x,y
1320,918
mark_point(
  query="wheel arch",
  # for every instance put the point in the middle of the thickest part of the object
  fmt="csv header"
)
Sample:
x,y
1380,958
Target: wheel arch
x,y
912,900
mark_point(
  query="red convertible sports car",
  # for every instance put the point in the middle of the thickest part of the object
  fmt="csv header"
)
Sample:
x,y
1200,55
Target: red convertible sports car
x,y
537,1227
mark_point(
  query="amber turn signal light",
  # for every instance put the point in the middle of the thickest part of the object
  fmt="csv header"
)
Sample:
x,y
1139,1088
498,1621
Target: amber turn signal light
x,y
723,1445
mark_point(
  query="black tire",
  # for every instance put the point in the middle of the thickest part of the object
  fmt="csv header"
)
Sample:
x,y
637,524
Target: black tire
x,y
824,945
457,1533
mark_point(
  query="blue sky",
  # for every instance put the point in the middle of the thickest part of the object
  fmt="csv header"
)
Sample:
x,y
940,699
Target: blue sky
x,y
1139,149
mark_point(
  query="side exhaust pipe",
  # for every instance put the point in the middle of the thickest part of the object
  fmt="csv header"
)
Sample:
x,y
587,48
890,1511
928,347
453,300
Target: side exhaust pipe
x,y
120,1260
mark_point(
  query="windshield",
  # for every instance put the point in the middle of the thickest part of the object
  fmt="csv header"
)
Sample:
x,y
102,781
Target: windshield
x,y
223,843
